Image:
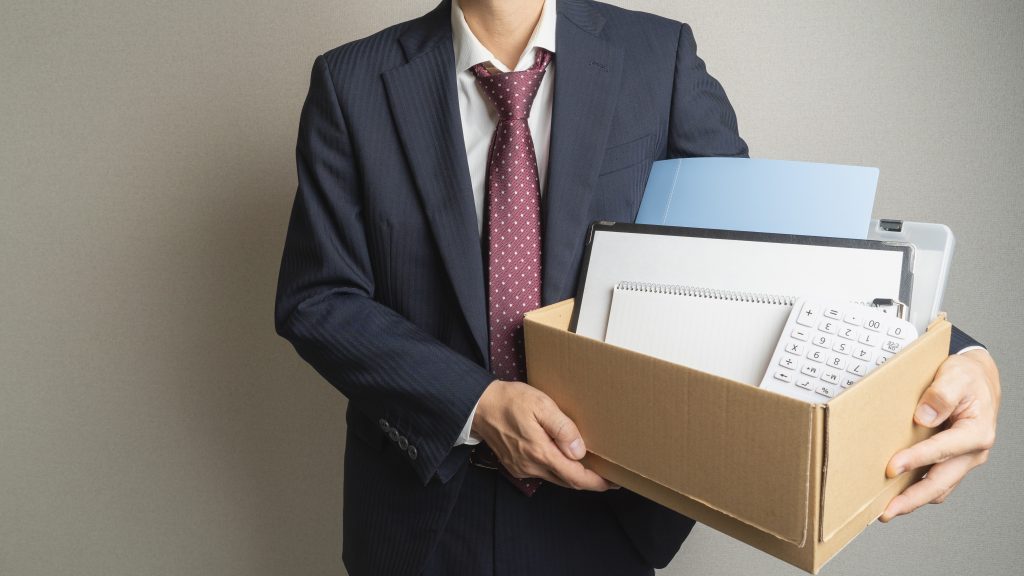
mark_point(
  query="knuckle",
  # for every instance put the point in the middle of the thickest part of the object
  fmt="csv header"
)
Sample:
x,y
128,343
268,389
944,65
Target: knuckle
x,y
529,470
988,441
559,424
543,402
533,453
943,397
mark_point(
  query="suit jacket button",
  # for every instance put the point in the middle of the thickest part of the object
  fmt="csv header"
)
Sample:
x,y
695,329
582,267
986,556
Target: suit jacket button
x,y
412,452
384,424
403,442
393,434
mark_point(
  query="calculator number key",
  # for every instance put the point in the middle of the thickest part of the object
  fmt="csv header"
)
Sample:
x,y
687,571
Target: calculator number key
x,y
816,355
869,339
848,333
836,361
857,368
823,341
898,331
863,354
830,326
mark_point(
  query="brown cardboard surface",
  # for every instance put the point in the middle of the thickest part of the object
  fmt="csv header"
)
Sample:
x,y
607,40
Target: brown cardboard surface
x,y
795,480
869,423
787,551
744,451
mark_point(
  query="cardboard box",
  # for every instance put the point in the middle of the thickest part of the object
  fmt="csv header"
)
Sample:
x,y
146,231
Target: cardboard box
x,y
796,480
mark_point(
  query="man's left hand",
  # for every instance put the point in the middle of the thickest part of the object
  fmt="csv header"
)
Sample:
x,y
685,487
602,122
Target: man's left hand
x,y
966,394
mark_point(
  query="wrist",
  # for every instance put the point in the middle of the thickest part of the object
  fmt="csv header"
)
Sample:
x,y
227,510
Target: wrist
x,y
485,407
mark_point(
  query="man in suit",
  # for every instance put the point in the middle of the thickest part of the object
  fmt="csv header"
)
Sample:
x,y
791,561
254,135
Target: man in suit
x,y
446,180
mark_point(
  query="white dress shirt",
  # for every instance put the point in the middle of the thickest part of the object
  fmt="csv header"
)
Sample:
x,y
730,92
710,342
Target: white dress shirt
x,y
479,118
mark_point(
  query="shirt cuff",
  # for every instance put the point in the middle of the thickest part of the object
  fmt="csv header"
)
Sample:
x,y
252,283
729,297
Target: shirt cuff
x,y
466,436
967,349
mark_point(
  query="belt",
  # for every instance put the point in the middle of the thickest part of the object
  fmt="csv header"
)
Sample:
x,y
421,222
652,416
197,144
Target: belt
x,y
482,456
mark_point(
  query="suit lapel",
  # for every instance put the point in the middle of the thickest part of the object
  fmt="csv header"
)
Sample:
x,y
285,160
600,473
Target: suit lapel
x,y
586,87
424,102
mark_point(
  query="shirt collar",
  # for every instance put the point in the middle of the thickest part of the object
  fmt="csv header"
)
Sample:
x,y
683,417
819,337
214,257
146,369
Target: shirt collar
x,y
470,52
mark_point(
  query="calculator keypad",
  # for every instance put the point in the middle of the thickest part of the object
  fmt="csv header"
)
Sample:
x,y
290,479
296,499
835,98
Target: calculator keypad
x,y
827,348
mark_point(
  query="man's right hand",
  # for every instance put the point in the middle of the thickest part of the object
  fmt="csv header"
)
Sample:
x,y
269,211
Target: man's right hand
x,y
532,437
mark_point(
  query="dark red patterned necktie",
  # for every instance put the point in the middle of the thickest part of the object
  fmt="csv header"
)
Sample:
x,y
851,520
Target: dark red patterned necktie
x,y
513,221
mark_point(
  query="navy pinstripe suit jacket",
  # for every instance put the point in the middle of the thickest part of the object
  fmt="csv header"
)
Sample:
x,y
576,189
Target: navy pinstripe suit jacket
x,y
382,283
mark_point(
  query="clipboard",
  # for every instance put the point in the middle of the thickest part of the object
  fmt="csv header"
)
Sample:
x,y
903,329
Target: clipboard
x,y
934,245
788,264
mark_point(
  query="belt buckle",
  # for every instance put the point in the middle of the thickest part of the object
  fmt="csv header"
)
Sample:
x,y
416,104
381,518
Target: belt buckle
x,y
482,456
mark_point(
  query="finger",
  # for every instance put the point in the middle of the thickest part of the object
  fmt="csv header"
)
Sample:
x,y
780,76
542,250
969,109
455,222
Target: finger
x,y
942,497
573,475
964,437
939,482
948,389
562,430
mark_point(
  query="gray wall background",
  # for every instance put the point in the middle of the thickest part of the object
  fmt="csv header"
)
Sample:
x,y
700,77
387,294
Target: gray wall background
x,y
152,423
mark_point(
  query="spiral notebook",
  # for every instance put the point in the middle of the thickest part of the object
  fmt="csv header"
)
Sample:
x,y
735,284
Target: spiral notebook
x,y
725,333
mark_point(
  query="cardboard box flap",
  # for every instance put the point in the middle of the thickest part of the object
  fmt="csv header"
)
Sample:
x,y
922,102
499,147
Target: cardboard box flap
x,y
767,477
869,423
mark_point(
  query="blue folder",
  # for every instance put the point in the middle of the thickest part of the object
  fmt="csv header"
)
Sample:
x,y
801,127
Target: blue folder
x,y
757,195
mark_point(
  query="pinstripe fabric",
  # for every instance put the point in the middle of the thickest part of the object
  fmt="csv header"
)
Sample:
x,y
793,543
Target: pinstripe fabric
x,y
382,289
959,340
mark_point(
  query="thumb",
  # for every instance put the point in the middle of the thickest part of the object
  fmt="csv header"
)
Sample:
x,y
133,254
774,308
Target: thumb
x,y
938,402
563,431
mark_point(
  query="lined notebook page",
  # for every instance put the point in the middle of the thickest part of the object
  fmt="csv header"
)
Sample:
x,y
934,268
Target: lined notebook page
x,y
729,334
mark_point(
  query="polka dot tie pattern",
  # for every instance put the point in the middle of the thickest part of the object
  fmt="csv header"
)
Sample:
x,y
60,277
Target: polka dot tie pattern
x,y
513,226
513,214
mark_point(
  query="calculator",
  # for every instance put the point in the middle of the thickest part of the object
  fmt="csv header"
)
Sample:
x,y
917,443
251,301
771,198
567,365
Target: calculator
x,y
827,347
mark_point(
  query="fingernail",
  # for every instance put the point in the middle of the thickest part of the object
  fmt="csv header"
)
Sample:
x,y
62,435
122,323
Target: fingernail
x,y
926,414
899,470
577,448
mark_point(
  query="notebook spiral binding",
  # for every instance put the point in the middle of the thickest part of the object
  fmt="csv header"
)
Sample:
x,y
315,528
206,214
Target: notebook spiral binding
x,y
711,293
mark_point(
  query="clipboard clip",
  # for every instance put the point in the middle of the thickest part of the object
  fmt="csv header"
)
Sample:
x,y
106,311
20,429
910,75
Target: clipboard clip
x,y
891,306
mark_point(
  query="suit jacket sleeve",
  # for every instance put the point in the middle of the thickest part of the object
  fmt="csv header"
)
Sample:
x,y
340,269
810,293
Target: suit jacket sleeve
x,y
702,122
389,369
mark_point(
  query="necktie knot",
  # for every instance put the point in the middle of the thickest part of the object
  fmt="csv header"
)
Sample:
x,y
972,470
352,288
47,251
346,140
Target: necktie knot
x,y
512,93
